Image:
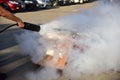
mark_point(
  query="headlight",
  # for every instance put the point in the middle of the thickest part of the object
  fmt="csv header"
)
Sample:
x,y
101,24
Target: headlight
x,y
13,2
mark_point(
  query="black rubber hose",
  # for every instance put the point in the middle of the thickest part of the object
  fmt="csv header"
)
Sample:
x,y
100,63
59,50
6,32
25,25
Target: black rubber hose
x,y
2,30
27,26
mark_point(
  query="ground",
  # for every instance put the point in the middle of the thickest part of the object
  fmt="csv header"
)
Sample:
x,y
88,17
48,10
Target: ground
x,y
8,45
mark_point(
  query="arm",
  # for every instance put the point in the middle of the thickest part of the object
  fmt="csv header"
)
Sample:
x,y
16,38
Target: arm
x,y
10,16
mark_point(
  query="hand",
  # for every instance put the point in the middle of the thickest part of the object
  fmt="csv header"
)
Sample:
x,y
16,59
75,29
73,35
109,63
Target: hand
x,y
20,24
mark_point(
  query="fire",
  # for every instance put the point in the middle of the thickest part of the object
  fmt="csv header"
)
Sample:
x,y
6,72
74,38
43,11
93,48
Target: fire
x,y
57,54
62,61
51,60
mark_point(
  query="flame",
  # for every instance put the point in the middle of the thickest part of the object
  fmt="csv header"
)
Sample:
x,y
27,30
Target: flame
x,y
61,61
61,47
49,60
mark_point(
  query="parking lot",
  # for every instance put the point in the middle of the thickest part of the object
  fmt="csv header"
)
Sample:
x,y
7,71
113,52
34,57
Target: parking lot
x,y
17,68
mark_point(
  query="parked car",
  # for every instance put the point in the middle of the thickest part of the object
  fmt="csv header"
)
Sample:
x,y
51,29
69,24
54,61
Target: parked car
x,y
31,4
79,1
67,2
44,3
64,2
54,3
12,5
21,3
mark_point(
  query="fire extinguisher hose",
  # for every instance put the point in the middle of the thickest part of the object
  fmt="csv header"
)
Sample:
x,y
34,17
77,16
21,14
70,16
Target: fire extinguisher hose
x,y
27,26
2,30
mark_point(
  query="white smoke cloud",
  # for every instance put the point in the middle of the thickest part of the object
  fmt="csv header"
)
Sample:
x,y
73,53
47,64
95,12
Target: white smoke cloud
x,y
99,31
43,74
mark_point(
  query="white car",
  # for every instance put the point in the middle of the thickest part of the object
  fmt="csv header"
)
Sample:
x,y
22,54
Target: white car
x,y
79,1
44,3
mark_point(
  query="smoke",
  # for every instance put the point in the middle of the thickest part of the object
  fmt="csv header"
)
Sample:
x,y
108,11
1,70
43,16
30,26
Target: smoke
x,y
96,32
44,74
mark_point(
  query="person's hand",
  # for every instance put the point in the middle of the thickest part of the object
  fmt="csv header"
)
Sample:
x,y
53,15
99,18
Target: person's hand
x,y
20,24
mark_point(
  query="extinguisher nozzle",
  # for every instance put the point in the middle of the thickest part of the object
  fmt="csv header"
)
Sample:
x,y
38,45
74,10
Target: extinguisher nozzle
x,y
32,27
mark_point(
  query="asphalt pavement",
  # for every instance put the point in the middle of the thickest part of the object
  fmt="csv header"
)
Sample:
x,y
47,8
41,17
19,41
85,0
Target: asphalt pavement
x,y
17,65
